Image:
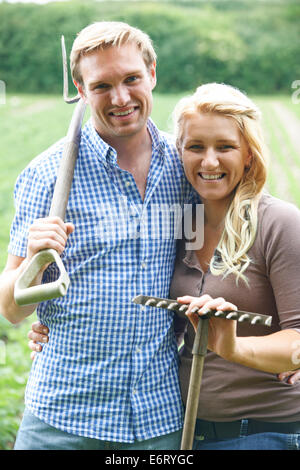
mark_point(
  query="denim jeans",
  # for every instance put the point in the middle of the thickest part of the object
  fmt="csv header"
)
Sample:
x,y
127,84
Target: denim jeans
x,y
261,441
34,434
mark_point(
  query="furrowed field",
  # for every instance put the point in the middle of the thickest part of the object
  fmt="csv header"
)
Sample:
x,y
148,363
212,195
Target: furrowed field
x,y
29,124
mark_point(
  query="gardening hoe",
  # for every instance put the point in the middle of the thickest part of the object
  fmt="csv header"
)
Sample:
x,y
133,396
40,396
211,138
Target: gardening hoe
x,y
199,352
24,293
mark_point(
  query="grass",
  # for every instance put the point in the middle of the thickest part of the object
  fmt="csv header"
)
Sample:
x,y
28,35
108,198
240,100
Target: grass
x,y
274,130
29,124
15,363
293,105
285,155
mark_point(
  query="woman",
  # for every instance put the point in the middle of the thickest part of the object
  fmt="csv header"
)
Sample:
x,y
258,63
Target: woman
x,y
251,260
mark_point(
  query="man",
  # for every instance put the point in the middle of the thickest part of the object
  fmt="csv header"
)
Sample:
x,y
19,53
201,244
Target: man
x,y
107,379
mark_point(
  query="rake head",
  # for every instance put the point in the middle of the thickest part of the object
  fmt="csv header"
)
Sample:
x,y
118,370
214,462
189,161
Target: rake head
x,y
169,304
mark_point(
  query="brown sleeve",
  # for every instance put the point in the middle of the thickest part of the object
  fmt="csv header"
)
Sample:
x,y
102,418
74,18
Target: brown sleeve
x,y
280,241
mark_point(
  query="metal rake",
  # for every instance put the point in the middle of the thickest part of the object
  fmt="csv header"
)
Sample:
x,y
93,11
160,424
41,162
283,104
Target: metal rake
x,y
198,352
169,304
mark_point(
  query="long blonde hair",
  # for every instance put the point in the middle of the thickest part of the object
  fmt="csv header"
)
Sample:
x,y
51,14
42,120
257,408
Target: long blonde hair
x,y
240,225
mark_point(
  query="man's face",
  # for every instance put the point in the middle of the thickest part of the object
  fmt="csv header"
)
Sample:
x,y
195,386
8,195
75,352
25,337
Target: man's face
x,y
118,87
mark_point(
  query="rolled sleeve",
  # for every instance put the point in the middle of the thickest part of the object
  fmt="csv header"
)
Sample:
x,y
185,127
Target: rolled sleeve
x,y
32,201
282,251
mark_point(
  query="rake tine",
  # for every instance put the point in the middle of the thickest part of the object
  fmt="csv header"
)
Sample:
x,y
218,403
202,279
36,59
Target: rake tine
x,y
219,314
195,310
172,306
162,304
183,308
256,319
244,317
231,316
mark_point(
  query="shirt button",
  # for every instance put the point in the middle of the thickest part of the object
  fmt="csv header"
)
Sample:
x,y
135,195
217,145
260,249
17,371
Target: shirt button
x,y
143,265
138,350
128,183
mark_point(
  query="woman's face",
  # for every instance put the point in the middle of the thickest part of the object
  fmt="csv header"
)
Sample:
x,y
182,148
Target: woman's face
x,y
214,155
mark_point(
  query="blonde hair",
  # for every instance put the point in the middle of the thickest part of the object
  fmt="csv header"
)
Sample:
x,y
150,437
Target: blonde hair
x,y
105,34
241,219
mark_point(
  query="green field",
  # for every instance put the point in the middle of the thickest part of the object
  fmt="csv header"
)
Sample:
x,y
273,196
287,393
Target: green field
x,y
28,124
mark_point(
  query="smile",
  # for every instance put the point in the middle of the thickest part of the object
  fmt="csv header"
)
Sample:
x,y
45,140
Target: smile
x,y
123,113
212,177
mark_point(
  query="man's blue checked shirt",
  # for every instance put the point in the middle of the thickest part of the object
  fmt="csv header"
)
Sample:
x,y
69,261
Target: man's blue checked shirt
x,y
109,370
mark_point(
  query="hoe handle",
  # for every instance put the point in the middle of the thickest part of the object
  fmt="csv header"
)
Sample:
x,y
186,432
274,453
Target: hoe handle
x,y
67,165
25,293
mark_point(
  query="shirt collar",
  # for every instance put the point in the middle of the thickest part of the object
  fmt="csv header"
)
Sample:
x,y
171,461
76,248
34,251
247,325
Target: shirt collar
x,y
158,141
106,153
91,137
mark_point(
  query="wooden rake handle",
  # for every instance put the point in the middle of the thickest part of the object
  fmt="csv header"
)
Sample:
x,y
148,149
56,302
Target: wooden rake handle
x,y
199,352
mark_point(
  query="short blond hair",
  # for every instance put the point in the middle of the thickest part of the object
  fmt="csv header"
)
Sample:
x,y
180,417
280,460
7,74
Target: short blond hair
x,y
104,34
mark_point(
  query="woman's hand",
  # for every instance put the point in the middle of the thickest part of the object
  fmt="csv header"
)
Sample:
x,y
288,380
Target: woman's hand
x,y
218,330
222,337
249,351
37,334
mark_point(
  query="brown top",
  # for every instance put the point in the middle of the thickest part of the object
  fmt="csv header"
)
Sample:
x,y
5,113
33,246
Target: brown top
x,y
232,391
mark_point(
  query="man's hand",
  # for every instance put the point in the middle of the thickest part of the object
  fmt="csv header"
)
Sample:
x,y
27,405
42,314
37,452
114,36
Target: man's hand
x,y
290,377
38,334
49,232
